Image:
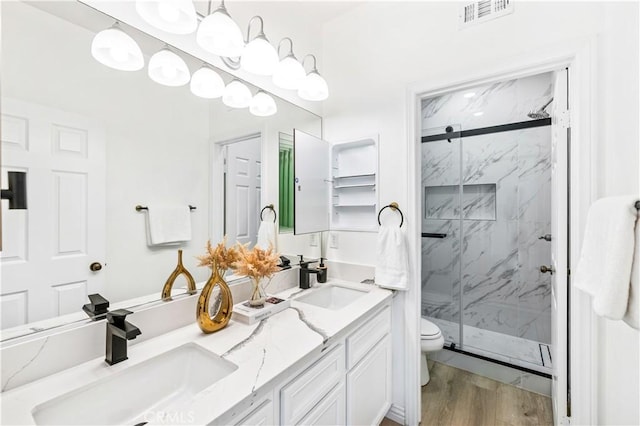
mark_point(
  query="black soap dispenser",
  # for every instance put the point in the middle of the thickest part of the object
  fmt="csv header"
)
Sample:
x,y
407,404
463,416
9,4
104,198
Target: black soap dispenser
x,y
322,271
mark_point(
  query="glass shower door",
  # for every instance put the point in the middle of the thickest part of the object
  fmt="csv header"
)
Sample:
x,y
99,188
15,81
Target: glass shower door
x,y
441,225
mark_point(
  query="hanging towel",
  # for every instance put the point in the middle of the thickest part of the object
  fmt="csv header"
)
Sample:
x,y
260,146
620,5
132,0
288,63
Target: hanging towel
x,y
632,316
604,269
392,265
168,225
266,235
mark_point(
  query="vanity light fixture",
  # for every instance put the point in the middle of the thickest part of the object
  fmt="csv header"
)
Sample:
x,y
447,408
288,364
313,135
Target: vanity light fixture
x,y
116,49
172,16
263,105
313,87
168,69
206,83
259,56
236,95
220,35
289,73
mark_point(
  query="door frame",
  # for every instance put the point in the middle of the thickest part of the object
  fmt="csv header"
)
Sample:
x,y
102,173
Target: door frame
x,y
579,56
216,178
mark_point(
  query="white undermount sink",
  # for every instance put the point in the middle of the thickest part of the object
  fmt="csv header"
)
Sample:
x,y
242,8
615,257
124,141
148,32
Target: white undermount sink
x,y
332,297
140,393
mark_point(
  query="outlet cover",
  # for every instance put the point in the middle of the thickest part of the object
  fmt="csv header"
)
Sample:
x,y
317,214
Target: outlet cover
x,y
333,240
313,240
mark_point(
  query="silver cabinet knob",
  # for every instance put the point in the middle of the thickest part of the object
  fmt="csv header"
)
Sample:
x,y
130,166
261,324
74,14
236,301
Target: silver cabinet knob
x,y
546,237
544,269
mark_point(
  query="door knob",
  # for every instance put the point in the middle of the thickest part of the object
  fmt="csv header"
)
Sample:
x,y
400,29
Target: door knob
x,y
546,237
95,266
544,269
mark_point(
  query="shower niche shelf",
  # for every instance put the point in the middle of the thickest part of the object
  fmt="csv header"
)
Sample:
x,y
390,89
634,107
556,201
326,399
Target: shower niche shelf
x,y
478,202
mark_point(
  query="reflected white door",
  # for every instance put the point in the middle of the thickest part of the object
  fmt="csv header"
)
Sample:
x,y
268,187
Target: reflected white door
x,y
47,249
242,190
559,248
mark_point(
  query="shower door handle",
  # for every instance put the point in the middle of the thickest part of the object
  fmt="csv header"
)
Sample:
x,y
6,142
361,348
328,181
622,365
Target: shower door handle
x,y
544,269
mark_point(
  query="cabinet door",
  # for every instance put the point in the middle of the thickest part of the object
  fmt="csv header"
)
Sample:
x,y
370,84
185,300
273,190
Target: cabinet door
x,y
330,411
369,386
311,185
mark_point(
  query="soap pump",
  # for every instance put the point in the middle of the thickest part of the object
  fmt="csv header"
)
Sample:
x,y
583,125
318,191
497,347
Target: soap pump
x,y
322,271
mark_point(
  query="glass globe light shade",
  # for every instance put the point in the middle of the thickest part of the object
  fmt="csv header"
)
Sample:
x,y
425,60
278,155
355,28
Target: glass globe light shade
x,y
116,49
259,57
236,95
314,87
263,105
220,35
289,73
206,83
172,16
168,69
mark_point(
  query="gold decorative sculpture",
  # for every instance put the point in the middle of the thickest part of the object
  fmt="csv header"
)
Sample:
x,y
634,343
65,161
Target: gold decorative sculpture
x,y
180,270
219,259
221,318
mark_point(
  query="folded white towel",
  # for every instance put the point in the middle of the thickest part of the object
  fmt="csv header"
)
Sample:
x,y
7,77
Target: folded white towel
x,y
168,225
266,235
604,269
632,316
392,265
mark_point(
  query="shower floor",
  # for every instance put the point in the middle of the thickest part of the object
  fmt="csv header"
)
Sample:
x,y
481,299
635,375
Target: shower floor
x,y
502,347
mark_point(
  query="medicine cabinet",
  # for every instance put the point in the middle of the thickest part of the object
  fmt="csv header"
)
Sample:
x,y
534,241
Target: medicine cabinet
x,y
336,184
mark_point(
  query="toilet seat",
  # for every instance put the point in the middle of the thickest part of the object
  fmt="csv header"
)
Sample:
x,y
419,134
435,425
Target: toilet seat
x,y
428,330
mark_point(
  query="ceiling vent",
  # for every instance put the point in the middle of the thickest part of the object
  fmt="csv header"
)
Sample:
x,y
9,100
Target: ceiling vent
x,y
483,10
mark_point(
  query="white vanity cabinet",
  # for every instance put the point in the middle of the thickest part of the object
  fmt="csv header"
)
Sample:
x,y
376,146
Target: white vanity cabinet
x,y
349,384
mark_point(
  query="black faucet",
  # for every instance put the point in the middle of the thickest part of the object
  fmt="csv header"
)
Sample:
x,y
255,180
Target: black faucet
x,y
305,272
118,332
98,306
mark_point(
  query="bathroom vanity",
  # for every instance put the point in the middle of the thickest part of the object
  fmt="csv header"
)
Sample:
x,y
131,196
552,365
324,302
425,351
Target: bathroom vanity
x,y
324,360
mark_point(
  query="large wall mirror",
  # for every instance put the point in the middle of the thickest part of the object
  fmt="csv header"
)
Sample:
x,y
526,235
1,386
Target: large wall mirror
x,y
95,142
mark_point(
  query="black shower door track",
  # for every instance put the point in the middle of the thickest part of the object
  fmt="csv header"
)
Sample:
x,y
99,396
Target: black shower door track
x,y
487,130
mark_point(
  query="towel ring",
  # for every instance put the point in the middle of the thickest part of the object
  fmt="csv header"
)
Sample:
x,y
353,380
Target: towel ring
x,y
637,205
270,207
392,206
140,208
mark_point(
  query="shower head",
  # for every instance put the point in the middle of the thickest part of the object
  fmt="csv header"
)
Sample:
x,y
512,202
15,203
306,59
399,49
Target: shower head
x,y
541,113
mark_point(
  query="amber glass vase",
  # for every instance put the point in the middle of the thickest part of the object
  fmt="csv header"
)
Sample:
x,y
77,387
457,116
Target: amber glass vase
x,y
222,315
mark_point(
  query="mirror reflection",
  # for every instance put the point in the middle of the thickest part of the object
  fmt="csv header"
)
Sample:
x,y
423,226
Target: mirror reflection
x,y
285,180
97,142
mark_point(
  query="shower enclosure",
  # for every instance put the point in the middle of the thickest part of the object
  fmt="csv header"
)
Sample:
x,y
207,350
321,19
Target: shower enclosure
x,y
486,216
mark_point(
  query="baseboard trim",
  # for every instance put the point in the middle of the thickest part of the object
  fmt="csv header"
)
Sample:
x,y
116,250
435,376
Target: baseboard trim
x,y
396,414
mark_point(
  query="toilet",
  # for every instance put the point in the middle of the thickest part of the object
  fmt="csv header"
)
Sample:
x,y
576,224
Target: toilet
x,y
431,340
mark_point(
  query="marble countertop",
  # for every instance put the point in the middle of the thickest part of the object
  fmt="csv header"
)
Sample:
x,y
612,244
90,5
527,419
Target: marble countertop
x,y
264,352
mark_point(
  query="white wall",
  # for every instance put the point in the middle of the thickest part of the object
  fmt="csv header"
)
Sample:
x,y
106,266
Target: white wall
x,y
374,52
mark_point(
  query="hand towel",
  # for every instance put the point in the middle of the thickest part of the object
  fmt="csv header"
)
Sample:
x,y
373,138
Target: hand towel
x,y
392,265
168,225
632,316
604,268
266,235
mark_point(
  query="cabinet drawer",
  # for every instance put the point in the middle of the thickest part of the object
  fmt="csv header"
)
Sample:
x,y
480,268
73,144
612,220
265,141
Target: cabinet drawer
x,y
299,396
330,411
360,342
262,415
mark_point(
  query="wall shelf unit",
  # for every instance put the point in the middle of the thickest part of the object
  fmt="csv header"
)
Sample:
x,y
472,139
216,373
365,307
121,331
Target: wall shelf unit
x,y
354,176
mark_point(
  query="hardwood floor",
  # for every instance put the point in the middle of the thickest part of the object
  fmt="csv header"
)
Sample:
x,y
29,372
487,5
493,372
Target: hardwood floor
x,y
457,397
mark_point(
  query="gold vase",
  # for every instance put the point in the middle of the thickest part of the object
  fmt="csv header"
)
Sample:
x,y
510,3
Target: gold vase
x,y
180,270
207,323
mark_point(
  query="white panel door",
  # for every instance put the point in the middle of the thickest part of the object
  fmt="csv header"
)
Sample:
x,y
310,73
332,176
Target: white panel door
x,y
242,191
47,249
559,228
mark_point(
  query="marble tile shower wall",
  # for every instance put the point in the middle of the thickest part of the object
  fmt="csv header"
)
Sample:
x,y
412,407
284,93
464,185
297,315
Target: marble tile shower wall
x,y
493,251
